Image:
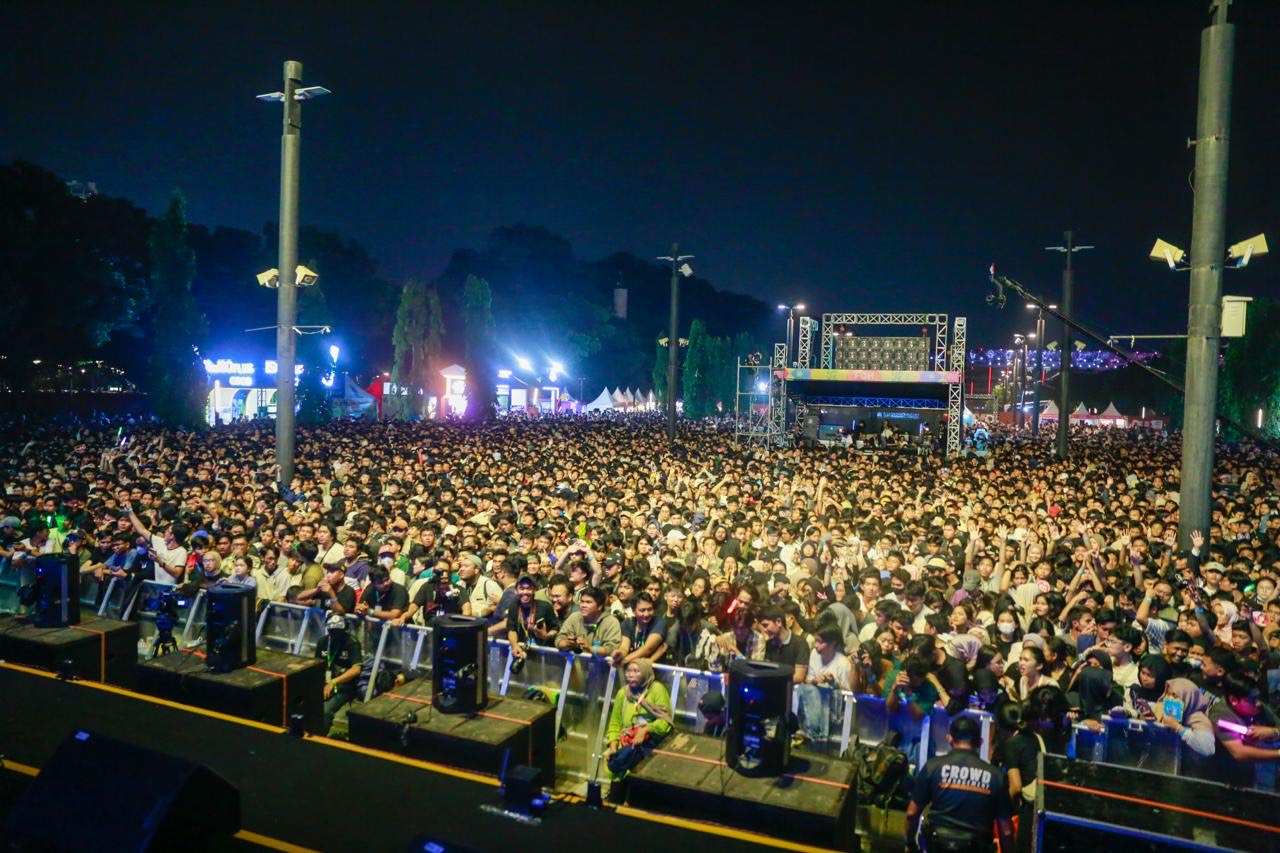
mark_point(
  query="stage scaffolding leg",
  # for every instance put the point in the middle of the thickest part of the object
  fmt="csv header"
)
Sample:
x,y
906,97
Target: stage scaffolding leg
x,y
778,396
955,392
751,404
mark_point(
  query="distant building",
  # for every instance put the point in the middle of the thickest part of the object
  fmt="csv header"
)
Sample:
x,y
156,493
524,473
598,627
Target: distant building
x,y
82,189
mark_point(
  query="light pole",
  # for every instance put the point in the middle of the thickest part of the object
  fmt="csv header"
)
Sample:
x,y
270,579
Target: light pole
x,y
1020,373
1064,343
287,294
1039,376
678,268
1208,241
791,321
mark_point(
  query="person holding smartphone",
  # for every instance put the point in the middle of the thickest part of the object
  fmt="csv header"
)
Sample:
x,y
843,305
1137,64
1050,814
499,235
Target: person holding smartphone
x,y
531,621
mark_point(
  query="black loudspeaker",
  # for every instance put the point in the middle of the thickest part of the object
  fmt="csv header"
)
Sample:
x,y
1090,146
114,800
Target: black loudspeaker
x,y
230,627
459,664
53,596
758,736
809,427
100,794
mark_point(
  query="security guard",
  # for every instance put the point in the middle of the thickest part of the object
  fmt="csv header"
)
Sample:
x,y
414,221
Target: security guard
x,y
966,796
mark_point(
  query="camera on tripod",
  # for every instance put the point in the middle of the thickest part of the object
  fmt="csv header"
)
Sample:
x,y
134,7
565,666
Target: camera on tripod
x,y
167,605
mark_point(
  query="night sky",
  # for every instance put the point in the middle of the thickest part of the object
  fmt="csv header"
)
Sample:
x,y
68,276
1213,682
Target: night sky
x,y
853,158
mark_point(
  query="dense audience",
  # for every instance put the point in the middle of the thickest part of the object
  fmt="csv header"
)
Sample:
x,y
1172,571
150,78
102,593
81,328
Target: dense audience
x,y
1006,580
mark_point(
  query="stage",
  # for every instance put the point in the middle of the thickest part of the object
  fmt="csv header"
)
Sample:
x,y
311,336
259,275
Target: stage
x,y
407,797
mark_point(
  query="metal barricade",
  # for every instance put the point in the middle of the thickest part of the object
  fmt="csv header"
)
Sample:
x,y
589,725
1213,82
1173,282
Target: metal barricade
x,y
1129,743
686,688
940,724
9,583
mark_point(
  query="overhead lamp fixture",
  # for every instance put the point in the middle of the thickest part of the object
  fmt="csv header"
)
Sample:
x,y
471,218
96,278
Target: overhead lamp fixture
x,y
269,278
304,94
1244,250
1167,252
304,276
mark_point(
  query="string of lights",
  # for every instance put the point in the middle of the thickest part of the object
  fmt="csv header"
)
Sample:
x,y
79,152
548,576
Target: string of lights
x,y
1087,360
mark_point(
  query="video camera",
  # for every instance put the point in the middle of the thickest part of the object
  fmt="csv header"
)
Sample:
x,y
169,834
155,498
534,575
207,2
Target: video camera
x,y
167,605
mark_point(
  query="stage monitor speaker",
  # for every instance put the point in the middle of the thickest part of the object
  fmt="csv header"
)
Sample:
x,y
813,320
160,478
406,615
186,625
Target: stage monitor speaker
x,y
52,598
230,627
459,664
100,794
758,736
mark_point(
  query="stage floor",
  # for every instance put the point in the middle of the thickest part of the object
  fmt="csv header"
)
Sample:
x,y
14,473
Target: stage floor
x,y
392,798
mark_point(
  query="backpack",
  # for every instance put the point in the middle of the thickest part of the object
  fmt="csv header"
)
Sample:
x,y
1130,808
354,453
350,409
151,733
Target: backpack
x,y
880,773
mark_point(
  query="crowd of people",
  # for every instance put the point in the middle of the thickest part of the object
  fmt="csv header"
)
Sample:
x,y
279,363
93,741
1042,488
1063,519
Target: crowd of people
x,y
1048,592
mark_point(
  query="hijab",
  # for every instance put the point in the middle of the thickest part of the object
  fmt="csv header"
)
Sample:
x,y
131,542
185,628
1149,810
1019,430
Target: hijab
x,y
1229,616
1160,669
965,648
646,677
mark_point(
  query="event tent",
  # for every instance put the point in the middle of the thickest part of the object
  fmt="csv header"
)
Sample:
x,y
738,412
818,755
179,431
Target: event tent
x,y
602,403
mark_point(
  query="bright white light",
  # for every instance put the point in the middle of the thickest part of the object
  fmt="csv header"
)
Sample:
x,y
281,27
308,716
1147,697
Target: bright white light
x,y
327,380
762,387
1259,418
556,369
333,353
782,308
524,363
504,374
800,307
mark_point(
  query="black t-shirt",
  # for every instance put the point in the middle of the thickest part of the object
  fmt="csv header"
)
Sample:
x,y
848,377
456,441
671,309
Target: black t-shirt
x,y
794,652
638,634
395,598
345,596
344,655
522,621
1019,753
963,792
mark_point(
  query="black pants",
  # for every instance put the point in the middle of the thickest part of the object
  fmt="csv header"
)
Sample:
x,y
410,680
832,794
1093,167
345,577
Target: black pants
x,y
939,839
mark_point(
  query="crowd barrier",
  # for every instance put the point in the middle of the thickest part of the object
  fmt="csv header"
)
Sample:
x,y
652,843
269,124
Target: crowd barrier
x,y
583,688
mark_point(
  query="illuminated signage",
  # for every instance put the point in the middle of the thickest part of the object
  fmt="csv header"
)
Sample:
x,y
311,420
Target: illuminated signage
x,y
240,381
225,366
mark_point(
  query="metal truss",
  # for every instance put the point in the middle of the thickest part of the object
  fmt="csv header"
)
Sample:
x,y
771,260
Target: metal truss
x,y
878,402
751,405
938,321
778,396
955,392
805,356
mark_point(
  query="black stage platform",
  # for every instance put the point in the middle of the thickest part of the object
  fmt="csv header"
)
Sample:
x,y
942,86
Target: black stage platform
x,y
404,721
98,649
387,800
276,687
812,802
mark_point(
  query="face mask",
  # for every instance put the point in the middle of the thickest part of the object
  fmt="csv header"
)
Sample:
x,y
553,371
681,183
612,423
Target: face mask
x,y
1006,628
1194,664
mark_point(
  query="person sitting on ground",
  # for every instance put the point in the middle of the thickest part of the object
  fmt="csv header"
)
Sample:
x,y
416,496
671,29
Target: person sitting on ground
x,y
640,719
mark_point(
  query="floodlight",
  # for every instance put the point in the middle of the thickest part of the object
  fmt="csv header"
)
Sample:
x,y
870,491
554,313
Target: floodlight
x,y
1244,250
272,97
308,92
686,270
333,353
524,363
782,308
305,277
1168,253
270,278
800,307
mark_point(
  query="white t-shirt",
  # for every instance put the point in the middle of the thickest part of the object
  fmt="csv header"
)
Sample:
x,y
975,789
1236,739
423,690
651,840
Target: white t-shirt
x,y
172,556
839,667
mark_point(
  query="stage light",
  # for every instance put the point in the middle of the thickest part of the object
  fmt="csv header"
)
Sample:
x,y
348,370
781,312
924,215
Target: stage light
x,y
524,363
333,353
1244,250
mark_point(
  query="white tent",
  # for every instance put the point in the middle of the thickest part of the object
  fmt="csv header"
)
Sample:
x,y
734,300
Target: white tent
x,y
1111,412
1080,412
1050,411
603,403
628,397
618,399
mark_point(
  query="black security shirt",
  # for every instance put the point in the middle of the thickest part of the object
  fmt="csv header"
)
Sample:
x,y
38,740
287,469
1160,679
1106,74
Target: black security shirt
x,y
962,792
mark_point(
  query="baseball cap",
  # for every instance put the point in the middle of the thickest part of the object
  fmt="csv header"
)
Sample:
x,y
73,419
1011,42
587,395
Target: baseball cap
x,y
10,521
966,729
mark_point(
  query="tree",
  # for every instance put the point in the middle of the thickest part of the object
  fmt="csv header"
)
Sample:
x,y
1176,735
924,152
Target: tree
x,y
176,379
660,372
1250,375
695,379
63,257
478,334
416,340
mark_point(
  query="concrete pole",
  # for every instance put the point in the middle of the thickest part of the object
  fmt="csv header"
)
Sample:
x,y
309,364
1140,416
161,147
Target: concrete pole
x,y
673,342
1064,346
1208,241
1039,377
287,291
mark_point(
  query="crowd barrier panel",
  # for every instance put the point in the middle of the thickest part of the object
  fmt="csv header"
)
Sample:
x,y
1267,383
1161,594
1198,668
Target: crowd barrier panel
x,y
91,589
